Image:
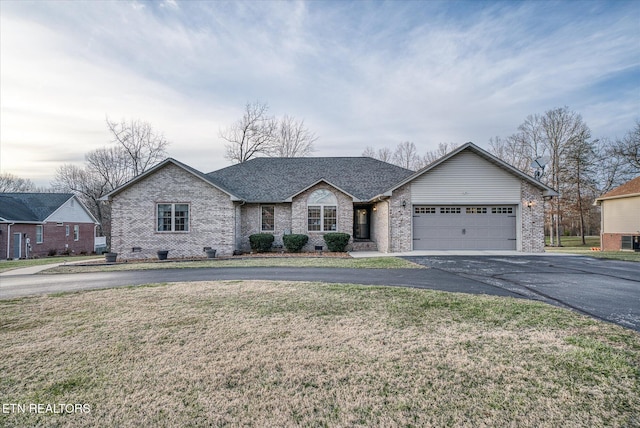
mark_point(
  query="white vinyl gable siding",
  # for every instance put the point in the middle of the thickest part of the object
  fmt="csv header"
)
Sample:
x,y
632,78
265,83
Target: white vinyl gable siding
x,y
466,179
621,215
70,212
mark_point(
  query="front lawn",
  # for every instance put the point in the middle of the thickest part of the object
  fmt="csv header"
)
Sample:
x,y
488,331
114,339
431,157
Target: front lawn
x,y
7,265
328,262
573,245
261,353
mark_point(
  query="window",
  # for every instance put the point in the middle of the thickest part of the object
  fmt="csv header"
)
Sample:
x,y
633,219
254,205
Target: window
x,y
66,230
425,210
502,210
76,232
39,238
476,210
173,218
450,210
322,211
268,218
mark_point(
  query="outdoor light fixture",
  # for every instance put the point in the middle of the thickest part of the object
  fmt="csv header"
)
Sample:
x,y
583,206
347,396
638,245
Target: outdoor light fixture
x,y
375,208
404,204
530,204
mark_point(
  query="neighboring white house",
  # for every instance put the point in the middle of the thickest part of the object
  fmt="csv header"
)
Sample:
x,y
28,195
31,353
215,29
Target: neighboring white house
x,y
469,199
620,217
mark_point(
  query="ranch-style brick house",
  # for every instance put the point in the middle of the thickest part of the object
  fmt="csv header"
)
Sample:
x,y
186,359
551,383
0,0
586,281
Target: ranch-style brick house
x,y
40,224
468,199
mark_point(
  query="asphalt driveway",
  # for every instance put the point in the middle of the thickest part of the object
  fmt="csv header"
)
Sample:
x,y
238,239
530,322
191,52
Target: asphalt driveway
x,y
604,289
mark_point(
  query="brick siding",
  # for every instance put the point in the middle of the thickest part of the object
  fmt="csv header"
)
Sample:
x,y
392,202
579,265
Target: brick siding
x,y
54,239
611,241
401,220
299,216
212,217
532,219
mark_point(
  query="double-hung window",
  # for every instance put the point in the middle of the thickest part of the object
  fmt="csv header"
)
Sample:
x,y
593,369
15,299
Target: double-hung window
x,y
39,234
267,218
173,218
322,211
76,232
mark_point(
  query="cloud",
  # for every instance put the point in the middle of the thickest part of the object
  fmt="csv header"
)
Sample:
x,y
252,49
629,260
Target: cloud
x,y
360,74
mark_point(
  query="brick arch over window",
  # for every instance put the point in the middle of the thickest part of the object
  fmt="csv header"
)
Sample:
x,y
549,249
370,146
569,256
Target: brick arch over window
x,y
322,211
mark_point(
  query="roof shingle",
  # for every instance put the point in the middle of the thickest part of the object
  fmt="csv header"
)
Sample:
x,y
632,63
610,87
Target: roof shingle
x,y
30,207
277,179
631,187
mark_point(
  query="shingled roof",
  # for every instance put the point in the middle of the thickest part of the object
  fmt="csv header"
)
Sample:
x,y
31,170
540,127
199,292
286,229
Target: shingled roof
x,y
630,188
30,207
278,179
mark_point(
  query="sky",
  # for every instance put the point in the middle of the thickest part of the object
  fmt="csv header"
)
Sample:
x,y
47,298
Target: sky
x,y
360,73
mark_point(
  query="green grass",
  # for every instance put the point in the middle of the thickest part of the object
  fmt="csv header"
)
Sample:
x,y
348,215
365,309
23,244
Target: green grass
x,y
7,265
259,353
573,245
328,262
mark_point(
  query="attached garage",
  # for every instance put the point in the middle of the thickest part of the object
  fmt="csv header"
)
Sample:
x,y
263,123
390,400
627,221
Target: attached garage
x,y
470,227
468,200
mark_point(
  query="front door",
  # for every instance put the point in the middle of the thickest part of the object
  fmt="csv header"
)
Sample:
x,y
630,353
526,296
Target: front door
x,y
361,223
17,245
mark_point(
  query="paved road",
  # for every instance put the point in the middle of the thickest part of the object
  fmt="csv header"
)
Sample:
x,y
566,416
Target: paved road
x,y
604,289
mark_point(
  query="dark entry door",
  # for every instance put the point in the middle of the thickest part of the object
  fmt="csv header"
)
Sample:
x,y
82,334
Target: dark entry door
x,y
361,223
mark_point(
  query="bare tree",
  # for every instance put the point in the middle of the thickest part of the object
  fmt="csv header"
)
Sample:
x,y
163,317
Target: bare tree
x,y
292,139
442,150
13,183
143,146
580,181
613,169
559,127
138,149
628,147
253,134
384,154
406,156
87,186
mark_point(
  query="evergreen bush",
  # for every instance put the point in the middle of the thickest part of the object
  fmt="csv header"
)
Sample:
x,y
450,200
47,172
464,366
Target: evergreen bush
x,y
295,242
337,241
261,242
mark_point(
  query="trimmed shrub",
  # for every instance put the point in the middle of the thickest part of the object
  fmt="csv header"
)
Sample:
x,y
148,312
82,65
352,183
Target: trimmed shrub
x,y
261,242
294,242
336,241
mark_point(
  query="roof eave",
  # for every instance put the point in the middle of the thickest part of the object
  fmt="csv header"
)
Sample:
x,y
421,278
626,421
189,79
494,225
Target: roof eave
x,y
290,198
608,198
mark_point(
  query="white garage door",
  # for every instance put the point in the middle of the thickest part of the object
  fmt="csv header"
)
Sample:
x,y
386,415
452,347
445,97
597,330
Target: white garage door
x,y
464,227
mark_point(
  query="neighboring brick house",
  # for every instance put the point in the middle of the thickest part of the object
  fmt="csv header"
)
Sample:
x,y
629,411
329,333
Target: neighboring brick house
x,y
40,224
468,199
620,217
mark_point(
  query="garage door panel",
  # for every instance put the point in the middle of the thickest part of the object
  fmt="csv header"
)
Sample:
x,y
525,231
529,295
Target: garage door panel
x,y
470,227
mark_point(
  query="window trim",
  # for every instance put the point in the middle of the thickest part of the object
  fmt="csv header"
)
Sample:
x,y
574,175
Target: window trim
x,y
322,208
76,232
39,233
323,218
273,218
173,217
